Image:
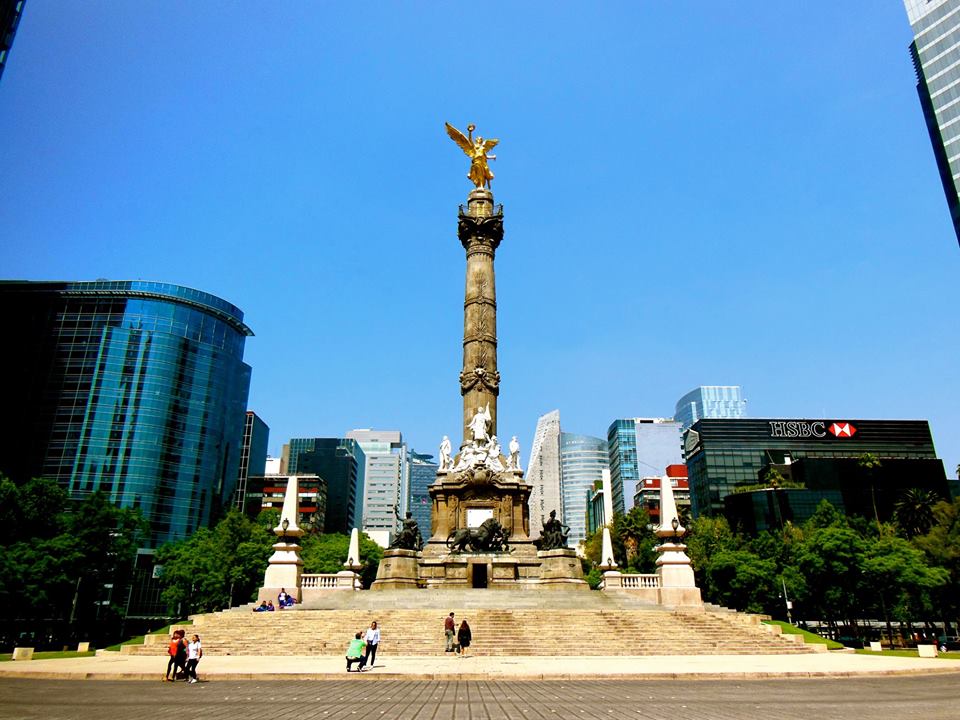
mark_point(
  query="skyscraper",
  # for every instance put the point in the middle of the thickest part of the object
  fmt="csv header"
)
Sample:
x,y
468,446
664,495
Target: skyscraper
x,y
936,59
339,461
253,455
543,471
10,13
423,471
640,446
710,401
386,479
135,389
582,461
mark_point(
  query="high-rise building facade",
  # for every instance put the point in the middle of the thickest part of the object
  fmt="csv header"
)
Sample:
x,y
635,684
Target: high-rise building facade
x,y
253,455
543,471
267,492
135,389
423,471
648,491
637,447
724,455
340,462
386,478
936,58
710,401
582,461
10,14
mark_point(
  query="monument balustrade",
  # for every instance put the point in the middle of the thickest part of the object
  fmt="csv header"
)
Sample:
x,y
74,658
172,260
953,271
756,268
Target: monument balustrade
x,y
330,581
639,582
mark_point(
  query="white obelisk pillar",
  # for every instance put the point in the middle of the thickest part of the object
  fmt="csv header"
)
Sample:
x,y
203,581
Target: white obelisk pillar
x,y
677,583
285,566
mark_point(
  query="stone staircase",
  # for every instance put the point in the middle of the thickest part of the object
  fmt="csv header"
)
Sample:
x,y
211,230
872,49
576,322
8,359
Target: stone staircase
x,y
526,622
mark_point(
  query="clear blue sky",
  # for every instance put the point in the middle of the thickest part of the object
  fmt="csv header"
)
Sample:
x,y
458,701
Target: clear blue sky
x,y
695,193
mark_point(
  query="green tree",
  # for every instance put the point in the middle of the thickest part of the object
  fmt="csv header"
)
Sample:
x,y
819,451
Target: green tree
x,y
914,511
868,462
637,539
830,560
942,546
708,536
327,553
65,558
900,576
742,580
215,567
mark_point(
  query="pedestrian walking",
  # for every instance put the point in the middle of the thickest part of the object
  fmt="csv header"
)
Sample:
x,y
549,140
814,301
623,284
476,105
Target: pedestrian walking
x,y
181,656
464,638
194,653
172,650
355,652
372,639
449,630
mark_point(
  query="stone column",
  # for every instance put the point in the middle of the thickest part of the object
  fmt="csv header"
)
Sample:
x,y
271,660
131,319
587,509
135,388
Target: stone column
x,y
480,229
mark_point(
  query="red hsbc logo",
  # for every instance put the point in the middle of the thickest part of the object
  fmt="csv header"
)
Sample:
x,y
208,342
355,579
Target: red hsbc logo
x,y
842,430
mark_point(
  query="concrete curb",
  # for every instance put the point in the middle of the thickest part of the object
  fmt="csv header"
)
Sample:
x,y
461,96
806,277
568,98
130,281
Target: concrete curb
x,y
480,676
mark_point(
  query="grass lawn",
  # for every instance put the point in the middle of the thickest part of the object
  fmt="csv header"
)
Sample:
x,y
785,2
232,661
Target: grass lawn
x,y
55,655
808,637
909,653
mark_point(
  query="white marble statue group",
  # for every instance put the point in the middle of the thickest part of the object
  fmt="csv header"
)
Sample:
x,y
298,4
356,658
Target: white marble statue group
x,y
483,448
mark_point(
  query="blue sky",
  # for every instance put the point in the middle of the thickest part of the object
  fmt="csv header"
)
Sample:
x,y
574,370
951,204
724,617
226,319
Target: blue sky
x,y
695,193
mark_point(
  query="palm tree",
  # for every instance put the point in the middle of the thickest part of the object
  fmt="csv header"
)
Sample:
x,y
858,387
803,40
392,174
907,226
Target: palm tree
x,y
868,462
914,511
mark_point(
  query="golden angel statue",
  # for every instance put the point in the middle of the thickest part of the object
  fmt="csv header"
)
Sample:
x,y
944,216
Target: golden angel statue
x,y
475,148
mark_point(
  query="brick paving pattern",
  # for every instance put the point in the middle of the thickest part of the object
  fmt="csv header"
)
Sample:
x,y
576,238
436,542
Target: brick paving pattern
x,y
932,697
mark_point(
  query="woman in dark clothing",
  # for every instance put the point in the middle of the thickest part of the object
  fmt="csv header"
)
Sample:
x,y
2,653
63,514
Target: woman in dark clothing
x,y
464,637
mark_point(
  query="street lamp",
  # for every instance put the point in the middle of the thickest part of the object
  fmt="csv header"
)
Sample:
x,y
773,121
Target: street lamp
x,y
786,600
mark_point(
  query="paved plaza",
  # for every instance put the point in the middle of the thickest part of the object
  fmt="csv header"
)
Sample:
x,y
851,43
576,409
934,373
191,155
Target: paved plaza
x,y
932,697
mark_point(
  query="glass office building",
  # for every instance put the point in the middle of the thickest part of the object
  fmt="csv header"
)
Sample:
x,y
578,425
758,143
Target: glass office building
x,y
710,401
936,59
423,472
622,454
339,461
136,389
582,461
253,455
723,455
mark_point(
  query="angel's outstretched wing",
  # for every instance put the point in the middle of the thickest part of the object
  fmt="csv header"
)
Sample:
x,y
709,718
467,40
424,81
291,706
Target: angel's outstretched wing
x,y
490,144
460,139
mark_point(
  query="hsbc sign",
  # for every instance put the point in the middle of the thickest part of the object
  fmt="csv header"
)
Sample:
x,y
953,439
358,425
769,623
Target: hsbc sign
x,y
811,429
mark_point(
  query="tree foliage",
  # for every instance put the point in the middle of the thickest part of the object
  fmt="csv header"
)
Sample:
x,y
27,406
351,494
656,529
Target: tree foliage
x,y
60,558
216,567
327,553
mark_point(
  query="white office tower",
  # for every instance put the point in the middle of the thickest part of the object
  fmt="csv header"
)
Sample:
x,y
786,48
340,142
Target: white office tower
x,y
386,480
543,471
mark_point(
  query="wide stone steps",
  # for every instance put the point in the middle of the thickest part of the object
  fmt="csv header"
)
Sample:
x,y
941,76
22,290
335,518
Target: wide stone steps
x,y
598,629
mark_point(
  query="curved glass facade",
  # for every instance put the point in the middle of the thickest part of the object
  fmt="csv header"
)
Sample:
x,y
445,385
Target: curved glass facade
x,y
137,389
582,461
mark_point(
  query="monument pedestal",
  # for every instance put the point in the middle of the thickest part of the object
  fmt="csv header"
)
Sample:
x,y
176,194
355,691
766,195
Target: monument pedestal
x,y
560,569
678,586
283,573
398,569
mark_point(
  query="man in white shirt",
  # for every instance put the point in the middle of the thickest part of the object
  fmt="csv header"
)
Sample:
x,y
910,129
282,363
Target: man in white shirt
x,y
373,639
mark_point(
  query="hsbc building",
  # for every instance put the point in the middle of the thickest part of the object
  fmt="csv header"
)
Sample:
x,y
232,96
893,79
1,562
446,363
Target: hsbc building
x,y
819,456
